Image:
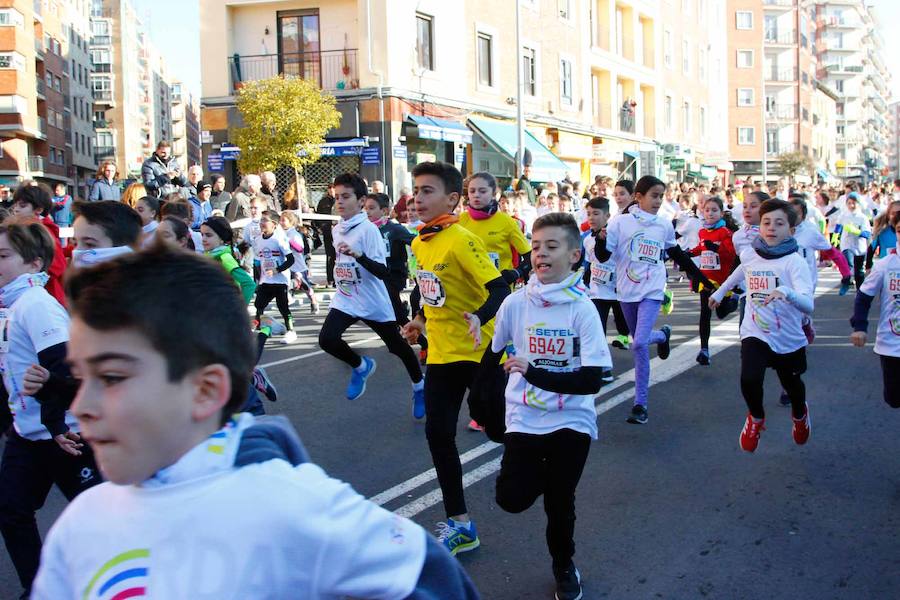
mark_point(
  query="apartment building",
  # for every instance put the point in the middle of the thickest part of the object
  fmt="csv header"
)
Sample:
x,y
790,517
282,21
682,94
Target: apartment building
x,y
824,131
893,152
437,80
76,49
185,127
746,87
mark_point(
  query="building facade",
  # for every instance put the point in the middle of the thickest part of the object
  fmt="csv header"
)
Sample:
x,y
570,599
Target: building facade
x,y
746,87
76,48
185,127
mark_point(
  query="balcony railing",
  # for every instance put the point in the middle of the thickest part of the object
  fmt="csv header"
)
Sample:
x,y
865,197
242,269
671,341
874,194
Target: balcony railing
x,y
103,95
781,37
776,149
42,125
102,67
101,40
781,75
104,152
781,112
36,163
787,3
627,119
834,68
332,70
41,87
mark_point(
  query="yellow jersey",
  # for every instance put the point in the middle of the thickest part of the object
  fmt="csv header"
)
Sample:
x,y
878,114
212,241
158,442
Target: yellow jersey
x,y
500,233
453,268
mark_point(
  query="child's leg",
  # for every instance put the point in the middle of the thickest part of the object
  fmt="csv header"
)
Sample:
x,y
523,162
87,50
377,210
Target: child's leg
x,y
839,261
396,345
619,317
523,472
308,284
603,310
331,340
641,316
890,372
754,361
789,368
281,301
705,319
264,294
24,485
567,451
859,270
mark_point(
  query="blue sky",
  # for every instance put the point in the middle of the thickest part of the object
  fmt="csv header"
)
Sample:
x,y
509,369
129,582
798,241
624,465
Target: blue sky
x,y
889,16
174,28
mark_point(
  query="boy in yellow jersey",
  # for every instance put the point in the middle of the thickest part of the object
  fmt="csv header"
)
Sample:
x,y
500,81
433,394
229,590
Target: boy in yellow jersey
x,y
499,233
461,291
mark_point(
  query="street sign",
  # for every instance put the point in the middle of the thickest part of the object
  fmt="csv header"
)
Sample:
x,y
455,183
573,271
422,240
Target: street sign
x,y
676,164
230,152
371,155
215,163
400,152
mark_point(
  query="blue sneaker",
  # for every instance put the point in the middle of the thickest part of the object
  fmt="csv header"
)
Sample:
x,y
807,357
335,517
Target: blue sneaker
x,y
419,403
457,538
845,287
357,386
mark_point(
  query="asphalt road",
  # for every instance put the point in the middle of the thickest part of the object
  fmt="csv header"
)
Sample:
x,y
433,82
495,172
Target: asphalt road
x,y
673,509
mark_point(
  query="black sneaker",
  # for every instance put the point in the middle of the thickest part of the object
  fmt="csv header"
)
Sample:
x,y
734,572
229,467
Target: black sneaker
x,y
607,376
785,400
703,357
663,348
638,415
568,584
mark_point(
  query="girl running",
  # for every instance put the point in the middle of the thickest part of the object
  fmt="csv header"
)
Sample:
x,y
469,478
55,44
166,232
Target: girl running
x,y
174,232
300,280
716,252
855,234
639,242
884,240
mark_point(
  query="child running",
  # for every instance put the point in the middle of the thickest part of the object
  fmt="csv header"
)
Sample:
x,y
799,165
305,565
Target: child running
x,y
716,252
554,374
601,276
883,280
855,233
359,272
33,200
639,242
290,223
461,291
157,403
780,292
275,258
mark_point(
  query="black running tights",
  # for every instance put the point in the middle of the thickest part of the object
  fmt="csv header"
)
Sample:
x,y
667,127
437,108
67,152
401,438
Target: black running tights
x,y
756,357
705,318
265,292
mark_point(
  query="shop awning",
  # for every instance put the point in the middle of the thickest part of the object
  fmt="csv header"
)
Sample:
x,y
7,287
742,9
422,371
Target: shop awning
x,y
431,128
344,147
503,137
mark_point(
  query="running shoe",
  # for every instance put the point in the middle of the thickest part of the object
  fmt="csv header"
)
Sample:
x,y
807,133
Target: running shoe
x,y
749,438
474,426
289,337
276,327
621,341
801,429
784,399
638,415
457,538
845,286
264,385
668,303
419,403
314,307
663,348
357,386
606,376
703,357
809,330
568,583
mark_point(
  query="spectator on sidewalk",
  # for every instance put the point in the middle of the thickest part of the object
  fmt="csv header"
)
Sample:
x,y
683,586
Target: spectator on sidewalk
x,y
106,185
161,174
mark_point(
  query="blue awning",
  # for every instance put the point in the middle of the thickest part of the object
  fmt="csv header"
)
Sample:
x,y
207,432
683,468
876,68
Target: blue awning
x,y
631,153
431,128
503,137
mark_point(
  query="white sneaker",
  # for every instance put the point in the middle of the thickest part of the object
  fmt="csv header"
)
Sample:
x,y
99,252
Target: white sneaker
x,y
290,337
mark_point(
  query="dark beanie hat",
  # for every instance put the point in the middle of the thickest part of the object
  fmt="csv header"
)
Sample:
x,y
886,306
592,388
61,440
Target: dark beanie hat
x,y
222,228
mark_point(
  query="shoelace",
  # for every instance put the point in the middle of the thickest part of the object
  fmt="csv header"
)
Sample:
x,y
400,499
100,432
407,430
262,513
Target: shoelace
x,y
444,531
753,428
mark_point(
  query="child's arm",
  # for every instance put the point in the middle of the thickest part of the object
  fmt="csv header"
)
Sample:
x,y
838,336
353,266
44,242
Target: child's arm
x,y
736,277
863,303
246,283
58,392
690,268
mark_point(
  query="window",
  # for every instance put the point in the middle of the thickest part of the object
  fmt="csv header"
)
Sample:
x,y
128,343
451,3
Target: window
x,y
52,156
668,112
12,60
61,157
11,17
702,120
685,57
746,136
745,59
806,78
745,96
57,83
565,81
425,41
686,117
565,9
838,85
743,19
529,70
485,49
667,48
805,114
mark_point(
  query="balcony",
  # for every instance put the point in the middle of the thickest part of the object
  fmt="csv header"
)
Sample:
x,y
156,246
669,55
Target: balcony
x,y
781,112
602,116
42,125
39,48
332,70
38,10
781,38
41,88
788,75
100,124
101,67
776,149
101,40
36,164
103,96
104,152
838,69
778,3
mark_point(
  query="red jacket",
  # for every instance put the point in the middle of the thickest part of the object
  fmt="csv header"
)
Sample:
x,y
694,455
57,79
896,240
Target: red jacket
x,y
58,266
724,256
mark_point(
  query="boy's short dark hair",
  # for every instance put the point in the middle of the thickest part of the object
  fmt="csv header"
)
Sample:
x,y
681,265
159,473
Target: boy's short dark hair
x,y
119,221
37,195
564,221
773,204
30,240
799,204
599,203
383,200
447,173
180,209
141,291
354,182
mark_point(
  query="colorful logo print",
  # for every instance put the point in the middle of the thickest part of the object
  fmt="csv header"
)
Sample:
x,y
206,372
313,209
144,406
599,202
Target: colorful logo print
x,y
122,577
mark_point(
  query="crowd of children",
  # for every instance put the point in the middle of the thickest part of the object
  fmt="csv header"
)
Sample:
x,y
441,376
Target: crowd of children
x,y
492,279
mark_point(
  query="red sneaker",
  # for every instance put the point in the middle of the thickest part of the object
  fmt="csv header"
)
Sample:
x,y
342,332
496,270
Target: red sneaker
x,y
474,426
801,429
750,434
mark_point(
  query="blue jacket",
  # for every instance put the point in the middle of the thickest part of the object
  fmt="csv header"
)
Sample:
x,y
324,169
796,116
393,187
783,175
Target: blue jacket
x,y
103,190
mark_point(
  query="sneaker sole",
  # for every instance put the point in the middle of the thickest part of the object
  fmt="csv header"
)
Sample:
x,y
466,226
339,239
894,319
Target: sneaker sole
x,y
578,597
363,390
467,547
637,420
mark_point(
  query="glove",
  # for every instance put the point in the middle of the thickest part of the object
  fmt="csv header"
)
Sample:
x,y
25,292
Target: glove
x,y
510,276
711,245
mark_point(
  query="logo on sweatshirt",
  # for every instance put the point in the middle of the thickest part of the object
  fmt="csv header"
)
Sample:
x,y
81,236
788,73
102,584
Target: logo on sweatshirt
x,y
123,576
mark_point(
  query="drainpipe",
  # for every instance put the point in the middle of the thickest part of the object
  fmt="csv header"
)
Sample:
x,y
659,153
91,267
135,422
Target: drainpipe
x,y
379,89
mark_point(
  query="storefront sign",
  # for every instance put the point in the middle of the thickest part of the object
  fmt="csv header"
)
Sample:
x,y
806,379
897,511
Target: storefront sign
x,y
676,164
371,156
215,163
230,152
400,152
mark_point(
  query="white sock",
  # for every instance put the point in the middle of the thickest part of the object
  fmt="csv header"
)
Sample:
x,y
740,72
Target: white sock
x,y
465,524
362,366
419,385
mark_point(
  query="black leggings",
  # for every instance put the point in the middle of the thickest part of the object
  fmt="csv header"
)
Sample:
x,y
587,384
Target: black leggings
x,y
756,357
890,371
549,464
394,287
705,318
858,264
331,341
604,306
445,388
265,292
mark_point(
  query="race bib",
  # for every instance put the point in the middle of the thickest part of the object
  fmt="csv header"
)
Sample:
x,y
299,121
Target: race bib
x,y
4,330
601,276
495,258
647,251
892,287
431,288
709,261
346,272
760,284
387,247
